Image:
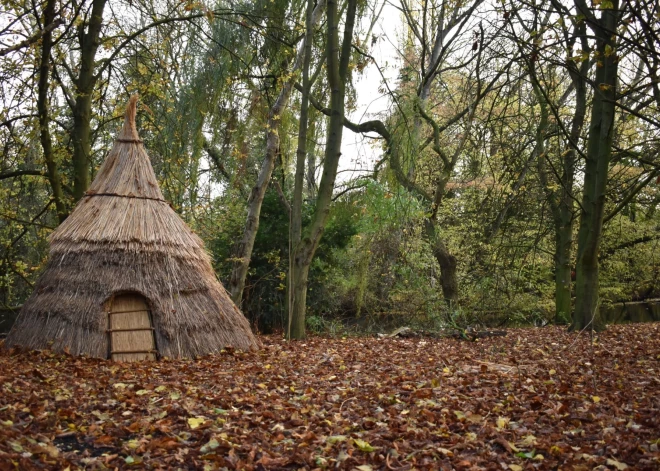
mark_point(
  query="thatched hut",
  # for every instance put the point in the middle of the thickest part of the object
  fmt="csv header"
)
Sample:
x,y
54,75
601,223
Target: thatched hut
x,y
126,278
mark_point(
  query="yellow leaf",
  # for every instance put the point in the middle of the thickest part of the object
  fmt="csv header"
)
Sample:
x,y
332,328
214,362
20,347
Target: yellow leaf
x,y
362,445
261,386
552,372
195,422
502,422
595,398
132,444
515,467
528,441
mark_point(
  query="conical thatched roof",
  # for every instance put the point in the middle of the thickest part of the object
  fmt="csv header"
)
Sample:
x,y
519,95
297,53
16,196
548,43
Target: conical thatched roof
x,y
123,237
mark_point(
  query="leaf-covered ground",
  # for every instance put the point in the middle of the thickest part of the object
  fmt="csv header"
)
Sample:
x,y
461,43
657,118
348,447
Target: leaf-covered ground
x,y
535,399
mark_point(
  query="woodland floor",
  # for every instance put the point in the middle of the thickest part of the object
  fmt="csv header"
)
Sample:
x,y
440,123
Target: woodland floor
x,y
535,399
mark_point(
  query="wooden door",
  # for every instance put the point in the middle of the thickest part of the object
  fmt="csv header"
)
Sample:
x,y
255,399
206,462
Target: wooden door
x,y
130,329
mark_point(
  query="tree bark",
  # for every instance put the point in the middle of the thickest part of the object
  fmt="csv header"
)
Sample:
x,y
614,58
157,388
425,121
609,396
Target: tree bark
x,y
447,262
44,118
598,155
297,279
82,108
246,244
311,155
337,70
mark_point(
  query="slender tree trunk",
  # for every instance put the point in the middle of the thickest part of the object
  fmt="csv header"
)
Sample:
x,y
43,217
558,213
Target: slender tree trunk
x,y
299,293
566,210
561,201
82,110
598,155
311,154
44,118
298,279
562,258
337,70
246,244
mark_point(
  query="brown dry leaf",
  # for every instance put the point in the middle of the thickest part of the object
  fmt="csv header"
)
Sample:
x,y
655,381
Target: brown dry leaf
x,y
327,402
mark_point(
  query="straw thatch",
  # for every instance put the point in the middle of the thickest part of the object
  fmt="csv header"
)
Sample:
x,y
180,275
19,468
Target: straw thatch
x,y
123,237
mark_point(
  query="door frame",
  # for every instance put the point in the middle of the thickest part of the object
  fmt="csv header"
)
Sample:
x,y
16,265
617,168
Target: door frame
x,y
107,311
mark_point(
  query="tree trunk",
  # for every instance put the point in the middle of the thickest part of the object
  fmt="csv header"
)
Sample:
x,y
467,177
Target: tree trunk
x,y
565,217
448,280
297,277
599,151
447,262
562,258
311,155
246,244
561,200
82,110
299,293
44,119
337,70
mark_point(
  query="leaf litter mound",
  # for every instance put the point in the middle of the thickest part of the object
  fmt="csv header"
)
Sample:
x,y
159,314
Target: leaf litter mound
x,y
535,399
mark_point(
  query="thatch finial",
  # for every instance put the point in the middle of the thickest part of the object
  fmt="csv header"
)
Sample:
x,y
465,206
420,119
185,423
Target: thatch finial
x,y
129,131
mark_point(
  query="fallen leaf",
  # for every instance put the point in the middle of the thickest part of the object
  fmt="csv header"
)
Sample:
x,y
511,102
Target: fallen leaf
x,y
210,446
617,464
194,422
362,445
335,439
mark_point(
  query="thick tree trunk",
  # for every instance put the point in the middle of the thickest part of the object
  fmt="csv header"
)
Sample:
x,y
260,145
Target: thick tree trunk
x,y
599,151
44,119
246,244
449,280
447,262
337,70
82,110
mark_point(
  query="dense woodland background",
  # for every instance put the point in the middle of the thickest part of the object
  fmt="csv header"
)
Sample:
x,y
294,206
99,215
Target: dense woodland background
x,y
515,171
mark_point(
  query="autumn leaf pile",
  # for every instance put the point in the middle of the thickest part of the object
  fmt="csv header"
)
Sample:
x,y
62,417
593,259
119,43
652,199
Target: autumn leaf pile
x,y
535,399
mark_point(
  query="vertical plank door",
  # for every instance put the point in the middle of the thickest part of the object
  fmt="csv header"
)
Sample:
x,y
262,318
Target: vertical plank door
x,y
131,332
